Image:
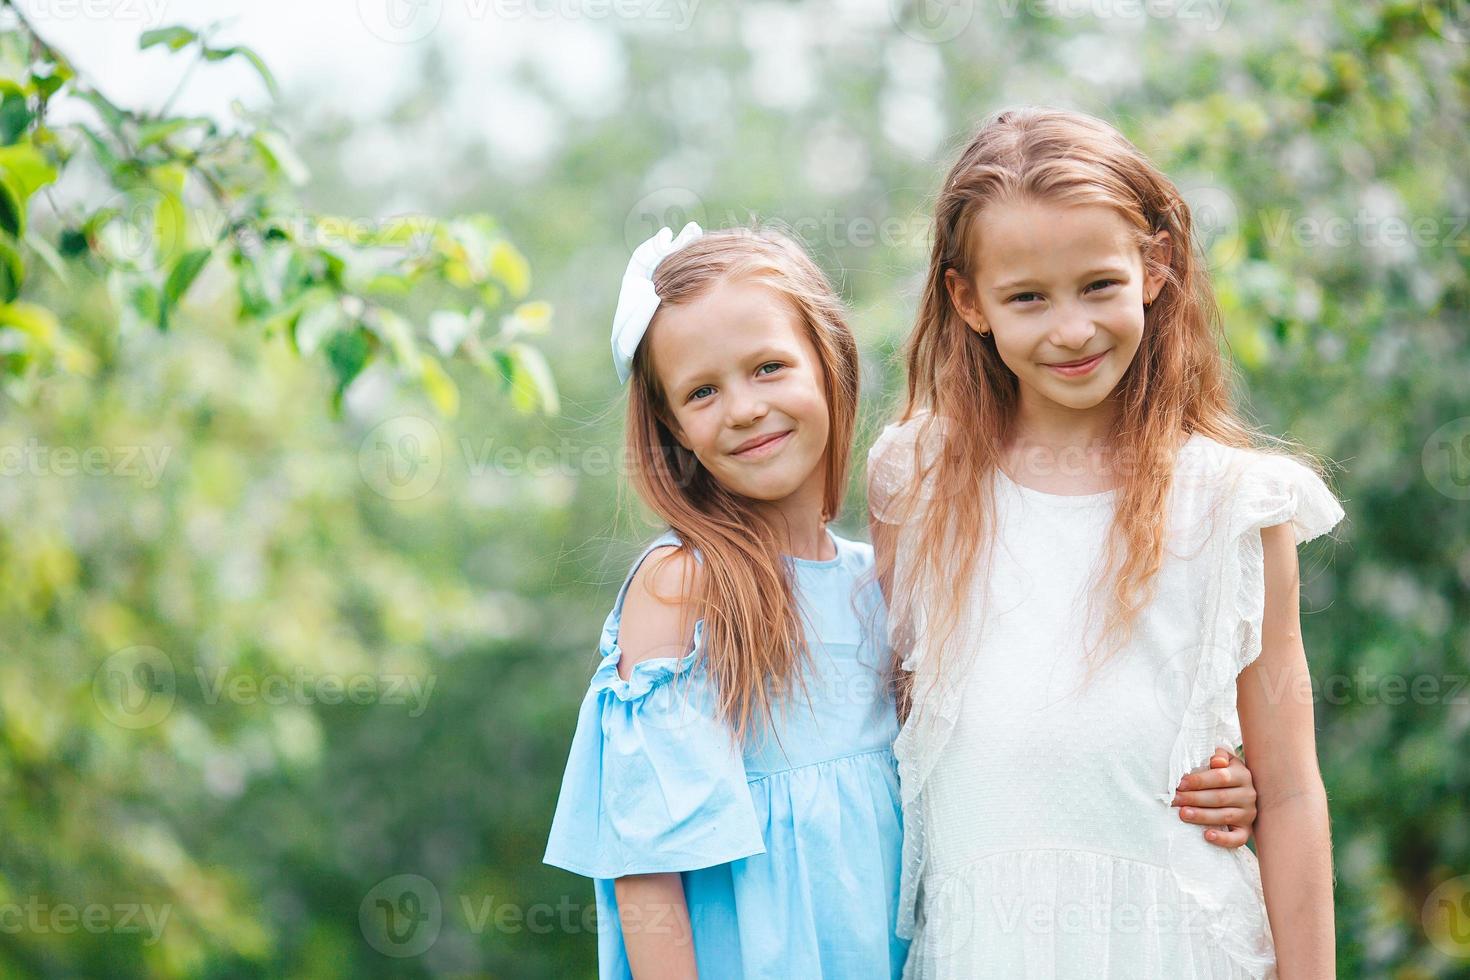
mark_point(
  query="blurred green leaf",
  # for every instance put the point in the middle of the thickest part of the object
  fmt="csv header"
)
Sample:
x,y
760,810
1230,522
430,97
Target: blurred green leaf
x,y
153,133
35,321
180,278
27,167
174,38
398,333
347,353
532,385
442,391
321,317
12,271
281,158
221,54
511,268
12,207
528,318
15,118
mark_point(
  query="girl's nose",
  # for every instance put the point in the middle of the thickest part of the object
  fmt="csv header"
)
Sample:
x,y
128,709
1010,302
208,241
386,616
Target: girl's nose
x,y
745,409
1074,328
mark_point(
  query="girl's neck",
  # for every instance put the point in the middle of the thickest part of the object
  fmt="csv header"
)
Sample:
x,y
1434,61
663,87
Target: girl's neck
x,y
1058,449
798,521
1041,422
811,544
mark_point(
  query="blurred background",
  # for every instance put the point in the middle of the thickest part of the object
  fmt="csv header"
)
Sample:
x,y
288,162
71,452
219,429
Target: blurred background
x,y
311,479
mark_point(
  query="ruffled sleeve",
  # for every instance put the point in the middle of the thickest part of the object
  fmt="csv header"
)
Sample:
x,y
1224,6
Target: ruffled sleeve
x,y
1271,490
901,452
1256,490
653,782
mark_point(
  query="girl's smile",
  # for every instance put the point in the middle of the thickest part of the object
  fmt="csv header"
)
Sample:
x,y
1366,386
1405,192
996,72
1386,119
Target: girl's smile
x,y
761,447
1076,369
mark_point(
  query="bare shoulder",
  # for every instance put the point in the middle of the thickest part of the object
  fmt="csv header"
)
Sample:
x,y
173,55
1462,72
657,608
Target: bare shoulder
x,y
659,609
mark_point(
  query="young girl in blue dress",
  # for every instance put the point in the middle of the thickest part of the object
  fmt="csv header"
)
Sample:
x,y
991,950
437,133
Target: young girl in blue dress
x,y
731,786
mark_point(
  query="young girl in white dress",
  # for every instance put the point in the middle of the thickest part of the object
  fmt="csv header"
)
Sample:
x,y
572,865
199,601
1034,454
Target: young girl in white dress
x,y
1091,566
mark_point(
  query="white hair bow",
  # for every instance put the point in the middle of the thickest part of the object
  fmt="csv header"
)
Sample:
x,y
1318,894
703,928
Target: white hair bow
x,y
637,302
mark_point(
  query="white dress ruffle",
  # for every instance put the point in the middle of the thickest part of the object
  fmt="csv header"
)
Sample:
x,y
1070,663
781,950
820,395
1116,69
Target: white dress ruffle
x,y
985,849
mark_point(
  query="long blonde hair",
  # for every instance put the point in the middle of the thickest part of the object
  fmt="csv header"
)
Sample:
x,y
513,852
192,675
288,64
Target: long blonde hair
x,y
1179,382
754,640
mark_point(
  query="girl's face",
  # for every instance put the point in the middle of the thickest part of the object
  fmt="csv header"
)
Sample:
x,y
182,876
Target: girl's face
x,y
743,390
1062,288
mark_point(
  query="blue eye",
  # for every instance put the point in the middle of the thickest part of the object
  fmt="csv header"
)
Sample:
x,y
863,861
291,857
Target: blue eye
x,y
769,364
694,395
1104,283
1022,296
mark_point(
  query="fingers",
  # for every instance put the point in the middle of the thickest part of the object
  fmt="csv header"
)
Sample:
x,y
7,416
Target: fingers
x,y
1216,764
1237,772
1219,796
1234,774
1215,779
1222,757
1225,816
1207,798
1240,796
1227,837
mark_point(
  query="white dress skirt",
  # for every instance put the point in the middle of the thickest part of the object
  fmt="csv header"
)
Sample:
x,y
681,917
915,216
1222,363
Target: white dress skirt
x,y
1039,839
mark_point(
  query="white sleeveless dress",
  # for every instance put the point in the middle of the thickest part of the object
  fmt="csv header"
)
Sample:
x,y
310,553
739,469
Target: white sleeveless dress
x,y
1039,839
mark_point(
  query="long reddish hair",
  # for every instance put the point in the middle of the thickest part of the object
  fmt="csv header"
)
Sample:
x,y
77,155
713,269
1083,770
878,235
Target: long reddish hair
x,y
1179,382
754,640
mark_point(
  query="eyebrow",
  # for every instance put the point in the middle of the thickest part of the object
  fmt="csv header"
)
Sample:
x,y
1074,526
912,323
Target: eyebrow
x,y
1106,270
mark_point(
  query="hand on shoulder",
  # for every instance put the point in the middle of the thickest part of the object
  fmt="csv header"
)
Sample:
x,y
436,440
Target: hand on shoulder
x,y
658,610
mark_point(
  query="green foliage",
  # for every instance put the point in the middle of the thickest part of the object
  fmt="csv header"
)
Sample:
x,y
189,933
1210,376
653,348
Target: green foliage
x,y
180,192
214,508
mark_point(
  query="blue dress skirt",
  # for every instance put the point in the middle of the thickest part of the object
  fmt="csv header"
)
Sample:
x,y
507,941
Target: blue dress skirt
x,y
789,847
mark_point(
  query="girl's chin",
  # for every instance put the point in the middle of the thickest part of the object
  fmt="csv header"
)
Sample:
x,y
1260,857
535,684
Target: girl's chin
x,y
1060,387
772,487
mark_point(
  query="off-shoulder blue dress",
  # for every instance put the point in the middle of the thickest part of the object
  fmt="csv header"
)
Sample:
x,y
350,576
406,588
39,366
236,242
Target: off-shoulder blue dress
x,y
789,849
